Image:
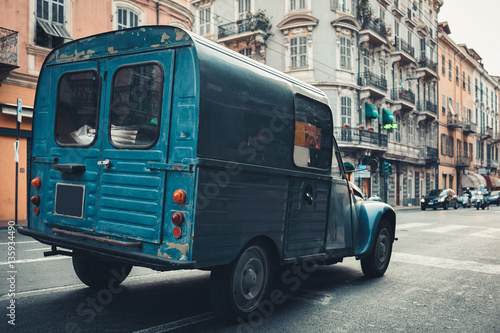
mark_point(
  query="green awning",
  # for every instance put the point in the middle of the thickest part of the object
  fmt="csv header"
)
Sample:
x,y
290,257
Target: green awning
x,y
387,117
370,111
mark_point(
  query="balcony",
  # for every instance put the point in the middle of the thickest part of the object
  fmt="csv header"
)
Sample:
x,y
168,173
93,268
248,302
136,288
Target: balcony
x,y
404,97
9,52
453,122
410,19
373,31
463,161
486,133
242,29
360,139
372,85
469,127
403,51
397,10
495,138
428,109
430,154
428,67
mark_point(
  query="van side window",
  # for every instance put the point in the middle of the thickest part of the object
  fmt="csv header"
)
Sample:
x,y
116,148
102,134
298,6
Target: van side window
x,y
77,108
136,105
313,134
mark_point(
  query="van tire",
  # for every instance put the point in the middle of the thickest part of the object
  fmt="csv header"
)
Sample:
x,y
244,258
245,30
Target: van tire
x,y
377,261
238,289
99,274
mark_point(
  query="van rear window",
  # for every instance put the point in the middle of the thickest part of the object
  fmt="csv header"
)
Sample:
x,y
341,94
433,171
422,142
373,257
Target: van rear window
x,y
77,108
313,134
136,105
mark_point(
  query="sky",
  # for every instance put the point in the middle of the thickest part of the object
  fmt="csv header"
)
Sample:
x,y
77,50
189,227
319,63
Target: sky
x,y
476,24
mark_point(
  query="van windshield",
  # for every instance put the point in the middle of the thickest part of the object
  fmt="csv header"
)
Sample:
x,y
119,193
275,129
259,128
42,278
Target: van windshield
x,y
77,108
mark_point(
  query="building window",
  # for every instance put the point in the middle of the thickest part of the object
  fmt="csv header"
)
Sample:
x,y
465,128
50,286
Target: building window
x,y
396,28
449,69
468,83
463,80
126,18
443,65
397,130
443,104
298,52
246,52
243,8
301,4
345,110
382,69
366,61
50,20
457,76
471,152
205,24
443,144
345,53
410,131
466,149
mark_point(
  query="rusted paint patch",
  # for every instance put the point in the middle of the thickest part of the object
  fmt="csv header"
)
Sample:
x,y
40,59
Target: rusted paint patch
x,y
77,56
112,50
179,34
166,251
165,38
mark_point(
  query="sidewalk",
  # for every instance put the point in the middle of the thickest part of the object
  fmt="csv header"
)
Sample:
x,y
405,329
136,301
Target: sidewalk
x,y
406,207
5,223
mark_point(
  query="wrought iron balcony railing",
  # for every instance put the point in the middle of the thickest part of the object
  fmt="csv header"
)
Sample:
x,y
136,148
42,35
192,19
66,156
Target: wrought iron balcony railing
x,y
427,106
403,94
470,127
374,25
9,47
425,62
453,121
401,45
369,79
234,28
356,136
429,153
463,161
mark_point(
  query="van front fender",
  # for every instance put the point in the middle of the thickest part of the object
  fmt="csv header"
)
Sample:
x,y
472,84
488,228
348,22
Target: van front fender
x,y
370,213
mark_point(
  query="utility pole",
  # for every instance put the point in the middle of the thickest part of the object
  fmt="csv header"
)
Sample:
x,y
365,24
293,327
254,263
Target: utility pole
x,y
16,156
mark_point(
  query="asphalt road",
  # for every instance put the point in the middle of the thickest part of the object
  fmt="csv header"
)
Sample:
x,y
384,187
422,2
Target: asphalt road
x,y
444,276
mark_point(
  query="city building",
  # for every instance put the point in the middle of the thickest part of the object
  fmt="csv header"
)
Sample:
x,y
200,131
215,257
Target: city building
x,y
375,60
29,30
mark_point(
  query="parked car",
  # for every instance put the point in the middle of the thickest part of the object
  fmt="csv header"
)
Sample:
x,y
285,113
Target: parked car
x,y
494,198
439,199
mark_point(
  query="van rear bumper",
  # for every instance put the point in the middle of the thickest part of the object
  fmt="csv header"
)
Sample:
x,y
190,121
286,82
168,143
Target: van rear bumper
x,y
110,253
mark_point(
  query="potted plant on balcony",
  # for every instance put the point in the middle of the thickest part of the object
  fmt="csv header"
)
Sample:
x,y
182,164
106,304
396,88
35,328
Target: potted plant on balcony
x,y
361,127
346,126
370,129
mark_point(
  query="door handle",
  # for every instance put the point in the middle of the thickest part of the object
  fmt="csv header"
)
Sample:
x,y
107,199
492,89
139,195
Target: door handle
x,y
106,163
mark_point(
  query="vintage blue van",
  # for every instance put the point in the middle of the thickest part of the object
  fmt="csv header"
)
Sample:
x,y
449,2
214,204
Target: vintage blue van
x,y
155,147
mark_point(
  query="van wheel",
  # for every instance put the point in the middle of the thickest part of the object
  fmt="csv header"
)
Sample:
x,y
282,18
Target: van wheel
x,y
237,289
377,261
99,274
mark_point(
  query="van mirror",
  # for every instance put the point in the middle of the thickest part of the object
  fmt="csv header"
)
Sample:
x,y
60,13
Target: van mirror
x,y
348,167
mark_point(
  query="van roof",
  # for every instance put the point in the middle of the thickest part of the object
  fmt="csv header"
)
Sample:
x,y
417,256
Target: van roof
x,y
148,38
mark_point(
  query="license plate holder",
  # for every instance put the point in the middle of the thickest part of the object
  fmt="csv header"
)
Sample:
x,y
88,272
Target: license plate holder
x,y
70,200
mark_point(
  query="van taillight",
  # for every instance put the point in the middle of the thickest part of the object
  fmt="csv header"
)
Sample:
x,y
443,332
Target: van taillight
x,y
36,210
35,200
177,232
179,196
36,182
178,219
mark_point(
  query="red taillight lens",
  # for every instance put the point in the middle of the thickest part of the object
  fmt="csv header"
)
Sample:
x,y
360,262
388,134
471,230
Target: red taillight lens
x,y
179,196
35,200
178,219
36,182
177,232
36,210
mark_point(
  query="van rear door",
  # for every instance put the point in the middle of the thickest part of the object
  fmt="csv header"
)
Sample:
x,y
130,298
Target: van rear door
x,y
133,159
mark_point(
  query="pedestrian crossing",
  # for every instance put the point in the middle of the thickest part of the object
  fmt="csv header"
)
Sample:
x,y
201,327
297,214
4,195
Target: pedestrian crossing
x,y
452,229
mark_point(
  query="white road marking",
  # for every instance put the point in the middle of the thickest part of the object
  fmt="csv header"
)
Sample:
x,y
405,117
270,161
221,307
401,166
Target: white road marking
x,y
489,233
26,242
179,323
411,225
447,228
446,263
22,261
41,249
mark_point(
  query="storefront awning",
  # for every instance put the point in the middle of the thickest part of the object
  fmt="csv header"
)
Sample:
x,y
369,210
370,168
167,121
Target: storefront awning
x,y
472,180
495,182
370,111
387,117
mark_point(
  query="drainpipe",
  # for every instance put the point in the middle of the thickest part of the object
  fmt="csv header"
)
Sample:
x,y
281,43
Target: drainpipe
x,y
158,12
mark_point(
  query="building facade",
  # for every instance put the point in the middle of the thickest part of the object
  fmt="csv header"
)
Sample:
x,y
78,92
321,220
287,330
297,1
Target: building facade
x,y
376,60
29,29
468,125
